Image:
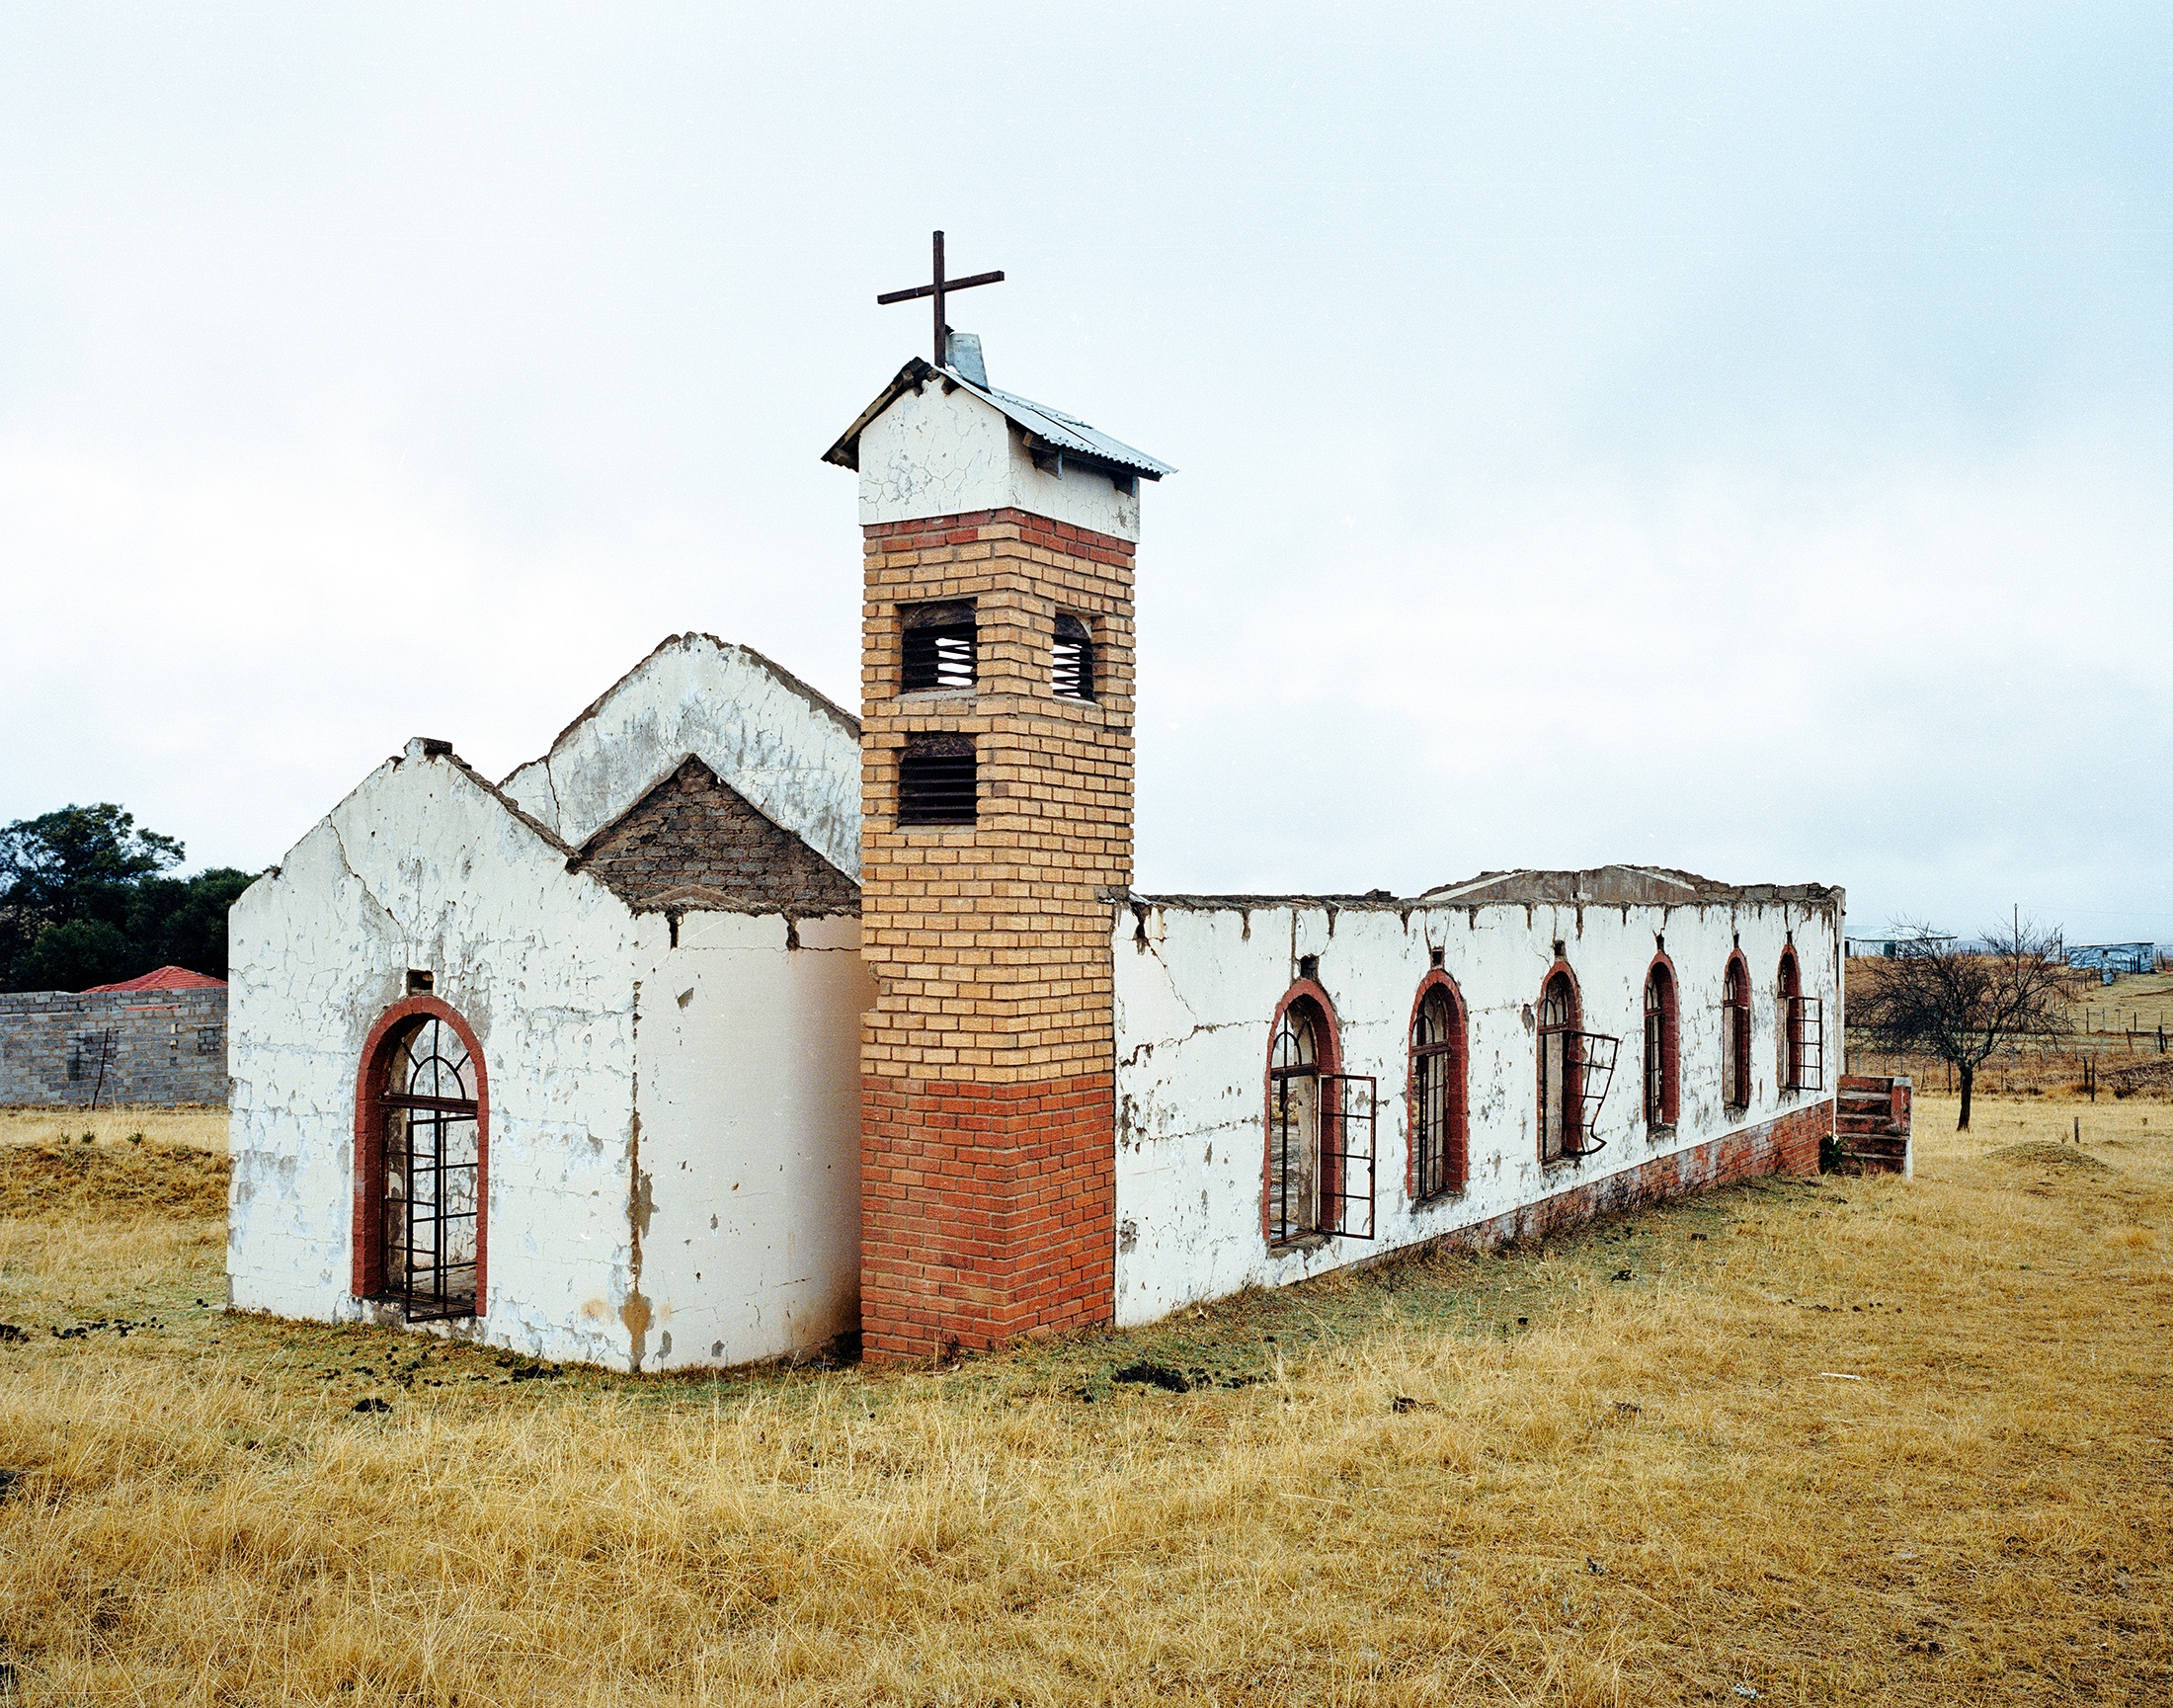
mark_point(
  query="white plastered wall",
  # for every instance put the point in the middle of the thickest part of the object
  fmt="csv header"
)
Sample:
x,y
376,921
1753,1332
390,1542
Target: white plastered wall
x,y
423,868
748,1196
791,753
934,453
597,1077
1197,986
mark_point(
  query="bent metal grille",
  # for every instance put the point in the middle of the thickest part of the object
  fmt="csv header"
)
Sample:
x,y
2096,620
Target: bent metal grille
x,y
938,652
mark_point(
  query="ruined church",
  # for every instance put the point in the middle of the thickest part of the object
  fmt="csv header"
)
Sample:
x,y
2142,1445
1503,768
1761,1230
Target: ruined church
x,y
735,1027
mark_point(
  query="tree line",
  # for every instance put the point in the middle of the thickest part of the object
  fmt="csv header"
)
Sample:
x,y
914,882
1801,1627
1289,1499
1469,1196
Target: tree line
x,y
88,898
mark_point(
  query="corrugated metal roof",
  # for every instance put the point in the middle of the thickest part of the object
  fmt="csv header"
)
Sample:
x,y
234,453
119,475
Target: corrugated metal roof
x,y
1055,429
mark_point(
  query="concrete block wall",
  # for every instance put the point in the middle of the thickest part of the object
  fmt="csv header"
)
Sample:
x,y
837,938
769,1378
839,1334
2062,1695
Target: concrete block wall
x,y
162,1047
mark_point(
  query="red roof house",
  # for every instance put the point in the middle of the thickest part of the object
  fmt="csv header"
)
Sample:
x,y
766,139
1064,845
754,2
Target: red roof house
x,y
162,979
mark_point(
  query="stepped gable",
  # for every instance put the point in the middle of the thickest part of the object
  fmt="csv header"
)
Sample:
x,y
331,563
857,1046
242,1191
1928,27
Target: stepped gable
x,y
693,842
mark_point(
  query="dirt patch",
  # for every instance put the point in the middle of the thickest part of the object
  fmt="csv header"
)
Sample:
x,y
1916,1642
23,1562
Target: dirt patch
x,y
2045,1154
74,1179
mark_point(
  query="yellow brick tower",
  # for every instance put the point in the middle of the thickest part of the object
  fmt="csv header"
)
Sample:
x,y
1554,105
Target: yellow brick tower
x,y
996,823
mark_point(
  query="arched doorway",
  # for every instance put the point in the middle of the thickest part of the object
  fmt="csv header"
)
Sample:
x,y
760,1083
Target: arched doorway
x,y
421,1149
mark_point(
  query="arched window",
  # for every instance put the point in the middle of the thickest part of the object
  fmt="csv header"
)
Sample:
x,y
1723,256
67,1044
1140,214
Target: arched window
x,y
420,1152
1801,1021
1561,1098
1437,1126
1735,1034
1320,1130
1660,1031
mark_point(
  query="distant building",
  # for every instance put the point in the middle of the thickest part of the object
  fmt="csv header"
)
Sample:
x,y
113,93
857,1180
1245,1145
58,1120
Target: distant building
x,y
160,979
2113,957
1892,948
156,1039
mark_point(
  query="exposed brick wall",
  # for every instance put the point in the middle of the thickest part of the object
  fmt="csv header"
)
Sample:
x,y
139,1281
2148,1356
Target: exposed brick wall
x,y
1787,1145
987,1211
694,830
991,945
162,1047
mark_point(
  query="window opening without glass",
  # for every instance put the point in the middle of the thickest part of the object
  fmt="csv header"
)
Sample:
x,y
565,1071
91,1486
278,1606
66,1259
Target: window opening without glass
x,y
432,1167
1804,1064
1736,1035
940,648
1071,663
1321,1139
1659,1046
1576,1067
1435,1084
938,780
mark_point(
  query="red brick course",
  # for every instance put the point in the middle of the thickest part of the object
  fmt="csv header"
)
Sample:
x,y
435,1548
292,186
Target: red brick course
x,y
987,1211
1786,1144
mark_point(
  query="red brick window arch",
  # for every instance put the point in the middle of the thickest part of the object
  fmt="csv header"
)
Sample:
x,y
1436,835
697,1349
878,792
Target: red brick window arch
x,y
1561,1087
1303,1051
1735,1033
1439,1162
421,1134
1663,1029
1787,984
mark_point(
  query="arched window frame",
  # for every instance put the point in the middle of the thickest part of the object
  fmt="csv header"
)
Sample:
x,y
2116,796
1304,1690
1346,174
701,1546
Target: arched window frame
x,y
1788,1020
1454,1139
1661,1083
371,1110
1573,1090
1337,1165
1735,1034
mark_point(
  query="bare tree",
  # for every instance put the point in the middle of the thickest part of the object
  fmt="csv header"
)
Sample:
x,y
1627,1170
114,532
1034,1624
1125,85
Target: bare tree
x,y
1938,999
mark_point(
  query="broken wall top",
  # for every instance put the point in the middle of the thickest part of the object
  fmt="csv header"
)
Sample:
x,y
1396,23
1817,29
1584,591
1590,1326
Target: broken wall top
x,y
789,752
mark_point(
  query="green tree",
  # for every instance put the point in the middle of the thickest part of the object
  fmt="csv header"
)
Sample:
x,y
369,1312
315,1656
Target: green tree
x,y
76,956
86,898
182,922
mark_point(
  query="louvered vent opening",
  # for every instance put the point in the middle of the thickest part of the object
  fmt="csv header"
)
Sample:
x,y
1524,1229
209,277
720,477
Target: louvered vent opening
x,y
940,648
1071,666
936,780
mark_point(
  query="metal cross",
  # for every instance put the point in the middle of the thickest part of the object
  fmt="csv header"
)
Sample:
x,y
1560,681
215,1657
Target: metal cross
x,y
938,290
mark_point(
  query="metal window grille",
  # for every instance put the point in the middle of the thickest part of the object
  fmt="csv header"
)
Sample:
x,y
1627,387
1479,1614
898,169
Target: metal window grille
x,y
1735,1039
1807,1038
1322,1129
431,1169
1576,1067
1348,1127
1659,1027
940,648
1432,1067
1558,1104
1071,663
937,781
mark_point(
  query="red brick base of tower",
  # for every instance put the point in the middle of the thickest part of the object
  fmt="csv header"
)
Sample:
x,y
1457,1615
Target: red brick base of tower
x,y
987,1212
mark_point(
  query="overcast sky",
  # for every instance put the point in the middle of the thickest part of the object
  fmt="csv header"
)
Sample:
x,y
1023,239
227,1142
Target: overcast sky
x,y
1730,437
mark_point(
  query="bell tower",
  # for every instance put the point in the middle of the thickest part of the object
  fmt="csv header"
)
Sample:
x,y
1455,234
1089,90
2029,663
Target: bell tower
x,y
996,756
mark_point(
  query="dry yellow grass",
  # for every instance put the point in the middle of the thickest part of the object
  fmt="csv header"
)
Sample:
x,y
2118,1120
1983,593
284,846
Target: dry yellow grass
x,y
202,1128
1861,1441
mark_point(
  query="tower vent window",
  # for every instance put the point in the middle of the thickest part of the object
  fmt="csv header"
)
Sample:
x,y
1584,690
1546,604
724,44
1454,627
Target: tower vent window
x,y
1071,664
940,648
936,779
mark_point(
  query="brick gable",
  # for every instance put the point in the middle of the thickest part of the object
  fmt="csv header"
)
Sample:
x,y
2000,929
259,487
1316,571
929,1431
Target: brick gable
x,y
695,842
